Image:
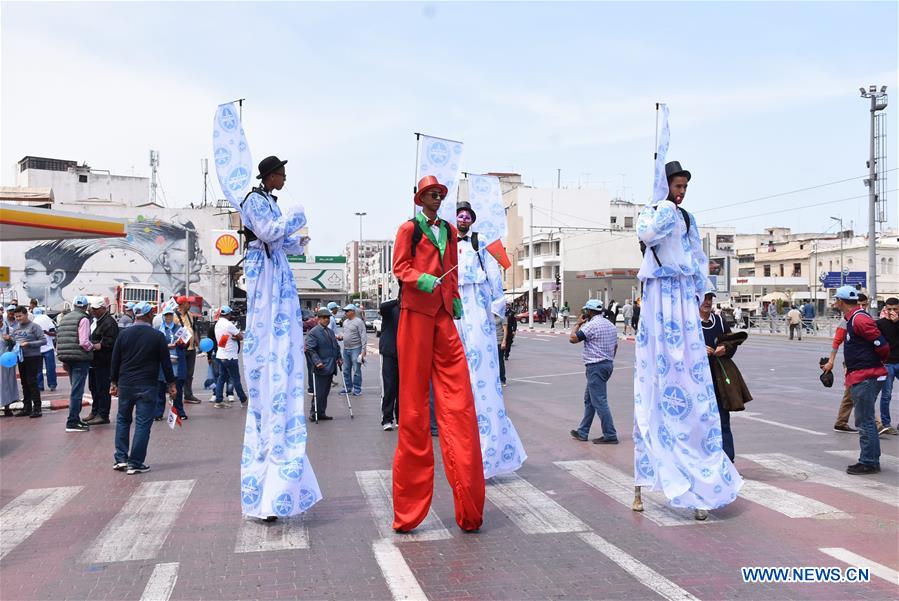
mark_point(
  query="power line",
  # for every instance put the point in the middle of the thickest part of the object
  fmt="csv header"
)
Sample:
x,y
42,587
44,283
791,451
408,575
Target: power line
x,y
841,181
817,204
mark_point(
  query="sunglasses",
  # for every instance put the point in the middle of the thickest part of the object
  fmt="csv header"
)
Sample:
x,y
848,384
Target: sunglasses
x,y
437,196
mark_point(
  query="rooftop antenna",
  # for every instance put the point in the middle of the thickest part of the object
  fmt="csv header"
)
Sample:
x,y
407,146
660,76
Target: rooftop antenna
x,y
204,163
154,167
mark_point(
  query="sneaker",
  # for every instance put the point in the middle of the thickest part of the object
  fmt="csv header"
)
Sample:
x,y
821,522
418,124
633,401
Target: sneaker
x,y
357,394
883,430
574,434
860,469
36,414
604,440
387,427
845,428
193,401
219,405
212,399
120,466
79,427
138,469
230,398
243,404
893,431
701,515
96,420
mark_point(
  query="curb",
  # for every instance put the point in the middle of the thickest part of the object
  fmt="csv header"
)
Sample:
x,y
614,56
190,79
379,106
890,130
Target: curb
x,y
53,405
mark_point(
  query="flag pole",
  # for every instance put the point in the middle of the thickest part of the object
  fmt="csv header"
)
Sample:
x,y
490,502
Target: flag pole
x,y
415,171
655,150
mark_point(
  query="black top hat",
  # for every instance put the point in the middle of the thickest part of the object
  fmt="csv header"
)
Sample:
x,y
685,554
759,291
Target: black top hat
x,y
464,205
673,168
268,165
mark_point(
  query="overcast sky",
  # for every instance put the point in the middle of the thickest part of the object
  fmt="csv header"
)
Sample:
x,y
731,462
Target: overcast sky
x,y
764,97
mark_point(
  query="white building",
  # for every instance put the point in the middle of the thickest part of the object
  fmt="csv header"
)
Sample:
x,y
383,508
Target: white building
x,y
357,266
80,184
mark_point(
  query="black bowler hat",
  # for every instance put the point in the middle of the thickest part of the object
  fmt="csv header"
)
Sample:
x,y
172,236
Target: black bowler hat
x,y
268,165
673,168
466,206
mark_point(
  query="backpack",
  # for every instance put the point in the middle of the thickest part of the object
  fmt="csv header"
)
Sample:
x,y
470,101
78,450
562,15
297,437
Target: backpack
x,y
654,254
248,234
418,234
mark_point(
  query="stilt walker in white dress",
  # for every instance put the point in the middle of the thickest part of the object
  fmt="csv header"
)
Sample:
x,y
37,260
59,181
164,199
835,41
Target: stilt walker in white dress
x,y
677,427
276,478
481,289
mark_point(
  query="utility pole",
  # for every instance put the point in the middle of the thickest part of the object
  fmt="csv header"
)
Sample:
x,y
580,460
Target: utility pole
x,y
842,273
878,103
558,178
531,269
205,165
187,255
154,165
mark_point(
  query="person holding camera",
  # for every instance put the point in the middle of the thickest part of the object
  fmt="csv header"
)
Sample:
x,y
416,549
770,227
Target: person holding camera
x,y
600,340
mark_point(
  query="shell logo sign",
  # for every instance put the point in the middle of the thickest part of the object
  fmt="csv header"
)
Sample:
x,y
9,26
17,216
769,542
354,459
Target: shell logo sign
x,y
225,247
226,244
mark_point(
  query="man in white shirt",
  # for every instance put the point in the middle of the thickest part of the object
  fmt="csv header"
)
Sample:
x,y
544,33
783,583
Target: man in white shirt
x,y
226,337
47,352
794,318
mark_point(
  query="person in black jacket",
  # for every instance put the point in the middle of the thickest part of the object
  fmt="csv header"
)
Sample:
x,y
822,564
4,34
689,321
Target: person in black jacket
x,y
511,328
138,355
323,351
106,330
889,327
390,367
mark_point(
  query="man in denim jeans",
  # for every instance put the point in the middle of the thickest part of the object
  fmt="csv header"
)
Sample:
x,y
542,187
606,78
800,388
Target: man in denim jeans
x,y
139,352
600,338
75,350
865,351
354,340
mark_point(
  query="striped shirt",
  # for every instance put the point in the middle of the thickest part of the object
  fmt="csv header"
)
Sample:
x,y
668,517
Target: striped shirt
x,y
600,339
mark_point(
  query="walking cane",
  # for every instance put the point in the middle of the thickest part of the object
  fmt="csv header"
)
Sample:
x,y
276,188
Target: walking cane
x,y
346,392
314,398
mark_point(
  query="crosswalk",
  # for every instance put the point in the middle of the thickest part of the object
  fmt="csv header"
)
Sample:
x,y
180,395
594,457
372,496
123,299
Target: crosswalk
x,y
143,524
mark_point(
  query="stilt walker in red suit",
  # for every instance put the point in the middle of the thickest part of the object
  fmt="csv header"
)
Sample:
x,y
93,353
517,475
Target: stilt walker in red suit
x,y
430,353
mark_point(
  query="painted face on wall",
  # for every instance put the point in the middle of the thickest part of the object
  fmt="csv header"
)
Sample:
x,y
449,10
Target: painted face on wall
x,y
172,261
40,283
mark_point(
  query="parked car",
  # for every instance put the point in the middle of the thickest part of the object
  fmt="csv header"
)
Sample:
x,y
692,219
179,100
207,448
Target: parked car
x,y
377,322
523,317
369,316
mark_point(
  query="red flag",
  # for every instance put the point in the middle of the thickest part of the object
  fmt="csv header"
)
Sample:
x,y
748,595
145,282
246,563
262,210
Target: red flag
x,y
498,252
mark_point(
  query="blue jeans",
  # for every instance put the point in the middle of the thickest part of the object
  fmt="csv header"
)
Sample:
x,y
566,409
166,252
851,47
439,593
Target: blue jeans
x,y
177,402
229,370
142,398
727,436
78,371
886,393
50,363
352,370
596,402
864,396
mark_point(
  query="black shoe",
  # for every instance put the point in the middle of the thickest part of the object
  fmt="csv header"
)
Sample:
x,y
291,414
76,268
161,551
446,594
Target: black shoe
x,y
845,428
270,518
325,418
604,440
36,414
576,436
7,412
158,419
137,469
96,420
23,413
860,469
79,427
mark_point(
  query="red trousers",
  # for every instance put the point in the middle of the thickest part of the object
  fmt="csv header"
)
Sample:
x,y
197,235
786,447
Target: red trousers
x,y
430,353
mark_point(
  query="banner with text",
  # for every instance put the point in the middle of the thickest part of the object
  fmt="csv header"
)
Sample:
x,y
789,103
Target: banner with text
x,y
233,161
486,198
442,159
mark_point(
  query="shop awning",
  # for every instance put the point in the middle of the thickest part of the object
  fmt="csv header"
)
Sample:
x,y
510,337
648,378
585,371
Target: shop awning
x,y
27,223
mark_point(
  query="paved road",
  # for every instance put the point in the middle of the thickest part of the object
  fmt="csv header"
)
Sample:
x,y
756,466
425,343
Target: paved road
x,y
71,528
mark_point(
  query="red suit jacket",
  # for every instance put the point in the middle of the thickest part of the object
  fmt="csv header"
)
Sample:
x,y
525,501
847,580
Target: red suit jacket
x,y
408,269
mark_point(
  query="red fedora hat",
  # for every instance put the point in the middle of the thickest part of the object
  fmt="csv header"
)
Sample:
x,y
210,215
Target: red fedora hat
x,y
426,184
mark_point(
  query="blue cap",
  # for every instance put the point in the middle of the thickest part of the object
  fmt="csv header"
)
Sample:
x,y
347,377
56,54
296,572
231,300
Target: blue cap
x,y
80,301
129,306
168,311
225,310
10,307
350,307
39,311
847,293
143,308
594,304
333,305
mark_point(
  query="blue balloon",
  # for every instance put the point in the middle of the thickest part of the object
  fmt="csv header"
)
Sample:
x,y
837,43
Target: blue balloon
x,y
206,345
9,359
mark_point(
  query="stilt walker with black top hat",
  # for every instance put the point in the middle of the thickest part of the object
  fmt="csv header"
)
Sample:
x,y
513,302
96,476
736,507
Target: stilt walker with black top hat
x,y
430,353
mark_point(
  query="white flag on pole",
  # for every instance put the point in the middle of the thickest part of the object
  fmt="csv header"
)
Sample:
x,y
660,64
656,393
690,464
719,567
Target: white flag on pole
x,y
486,198
443,159
233,161
660,183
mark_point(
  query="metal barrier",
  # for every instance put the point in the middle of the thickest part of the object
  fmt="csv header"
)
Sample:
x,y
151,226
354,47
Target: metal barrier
x,y
819,326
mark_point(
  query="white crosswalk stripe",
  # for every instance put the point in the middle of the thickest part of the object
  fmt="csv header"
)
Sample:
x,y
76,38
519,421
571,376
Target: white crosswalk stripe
x,y
752,416
643,573
162,582
888,461
532,510
397,574
799,469
789,503
857,561
282,535
140,528
27,512
619,486
377,485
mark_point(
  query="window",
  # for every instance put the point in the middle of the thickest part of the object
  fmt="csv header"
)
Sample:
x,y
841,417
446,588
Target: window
x,y
767,271
781,270
797,270
746,259
82,179
538,272
613,220
629,222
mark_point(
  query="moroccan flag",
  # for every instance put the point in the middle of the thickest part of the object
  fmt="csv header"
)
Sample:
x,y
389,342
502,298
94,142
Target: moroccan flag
x,y
174,418
498,252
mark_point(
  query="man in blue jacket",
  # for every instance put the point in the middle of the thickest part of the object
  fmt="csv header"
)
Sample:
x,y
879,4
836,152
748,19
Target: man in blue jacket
x,y
139,353
323,351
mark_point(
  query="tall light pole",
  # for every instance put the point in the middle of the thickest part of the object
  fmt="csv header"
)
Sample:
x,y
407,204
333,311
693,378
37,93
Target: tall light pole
x,y
358,255
531,269
878,103
842,273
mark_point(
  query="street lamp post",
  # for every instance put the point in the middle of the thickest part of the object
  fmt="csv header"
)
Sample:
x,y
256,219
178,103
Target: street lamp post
x,y
358,255
878,103
842,273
